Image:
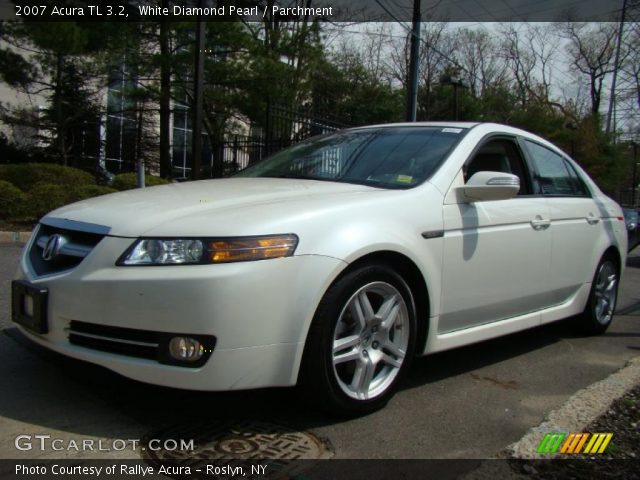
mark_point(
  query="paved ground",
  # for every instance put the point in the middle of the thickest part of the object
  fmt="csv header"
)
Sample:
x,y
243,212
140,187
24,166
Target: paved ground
x,y
467,403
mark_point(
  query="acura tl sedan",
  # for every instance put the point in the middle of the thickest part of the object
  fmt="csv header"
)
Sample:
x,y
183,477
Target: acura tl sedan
x,y
329,265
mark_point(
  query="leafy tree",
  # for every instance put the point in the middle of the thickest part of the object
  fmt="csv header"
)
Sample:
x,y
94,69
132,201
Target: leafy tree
x,y
53,61
344,88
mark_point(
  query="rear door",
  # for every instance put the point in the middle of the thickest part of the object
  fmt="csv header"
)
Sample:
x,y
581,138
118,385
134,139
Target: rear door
x,y
576,220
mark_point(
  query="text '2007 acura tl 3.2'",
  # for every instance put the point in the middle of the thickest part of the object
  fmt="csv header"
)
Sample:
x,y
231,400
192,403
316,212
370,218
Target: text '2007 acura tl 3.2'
x,y
328,265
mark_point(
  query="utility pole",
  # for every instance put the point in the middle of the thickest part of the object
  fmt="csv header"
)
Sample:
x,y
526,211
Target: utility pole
x,y
635,176
412,90
616,66
196,141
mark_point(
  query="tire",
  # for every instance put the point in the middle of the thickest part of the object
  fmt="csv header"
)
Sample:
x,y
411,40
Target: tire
x,y
598,313
360,343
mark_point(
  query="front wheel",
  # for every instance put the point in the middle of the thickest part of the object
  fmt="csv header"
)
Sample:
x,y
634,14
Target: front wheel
x,y
361,341
598,313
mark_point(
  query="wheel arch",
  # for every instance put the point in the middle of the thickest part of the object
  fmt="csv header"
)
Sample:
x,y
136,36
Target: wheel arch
x,y
410,272
613,252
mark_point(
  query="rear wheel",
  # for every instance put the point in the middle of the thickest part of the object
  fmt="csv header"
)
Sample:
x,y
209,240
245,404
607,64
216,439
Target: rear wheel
x,y
361,341
598,313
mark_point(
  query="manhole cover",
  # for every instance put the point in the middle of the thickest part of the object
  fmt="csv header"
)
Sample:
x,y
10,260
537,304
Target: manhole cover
x,y
232,444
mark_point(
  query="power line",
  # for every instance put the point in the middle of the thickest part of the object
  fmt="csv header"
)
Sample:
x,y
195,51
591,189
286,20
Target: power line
x,y
392,15
495,15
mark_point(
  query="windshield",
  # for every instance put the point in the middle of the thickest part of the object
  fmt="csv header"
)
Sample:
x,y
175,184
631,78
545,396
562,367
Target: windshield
x,y
396,157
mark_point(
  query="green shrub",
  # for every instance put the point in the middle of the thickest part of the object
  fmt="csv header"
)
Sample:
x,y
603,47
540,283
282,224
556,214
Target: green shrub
x,y
45,197
83,192
26,175
12,201
128,181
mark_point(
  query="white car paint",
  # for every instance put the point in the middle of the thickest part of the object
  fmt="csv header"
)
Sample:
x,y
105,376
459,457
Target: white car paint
x,y
488,269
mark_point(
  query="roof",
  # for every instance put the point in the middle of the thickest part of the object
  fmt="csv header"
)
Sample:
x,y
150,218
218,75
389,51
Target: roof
x,y
425,124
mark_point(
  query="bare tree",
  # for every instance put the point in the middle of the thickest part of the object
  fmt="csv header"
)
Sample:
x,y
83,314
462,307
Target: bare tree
x,y
398,61
520,61
592,50
479,55
544,49
373,48
436,54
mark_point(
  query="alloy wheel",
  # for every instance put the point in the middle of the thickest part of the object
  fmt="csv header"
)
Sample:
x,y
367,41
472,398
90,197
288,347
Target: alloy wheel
x,y
606,289
370,341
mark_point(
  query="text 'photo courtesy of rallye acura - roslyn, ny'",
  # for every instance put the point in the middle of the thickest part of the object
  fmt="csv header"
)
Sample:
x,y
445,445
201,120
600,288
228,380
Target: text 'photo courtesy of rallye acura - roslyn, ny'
x,y
328,265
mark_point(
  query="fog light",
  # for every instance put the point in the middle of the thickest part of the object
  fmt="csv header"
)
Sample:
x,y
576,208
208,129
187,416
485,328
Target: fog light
x,y
186,348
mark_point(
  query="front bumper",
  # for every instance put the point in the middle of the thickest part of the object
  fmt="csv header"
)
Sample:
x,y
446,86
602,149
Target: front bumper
x,y
259,313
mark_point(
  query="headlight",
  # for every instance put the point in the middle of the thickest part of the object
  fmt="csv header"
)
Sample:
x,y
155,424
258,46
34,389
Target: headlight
x,y
159,251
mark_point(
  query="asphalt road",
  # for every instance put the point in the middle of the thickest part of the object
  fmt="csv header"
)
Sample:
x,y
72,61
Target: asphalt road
x,y
467,403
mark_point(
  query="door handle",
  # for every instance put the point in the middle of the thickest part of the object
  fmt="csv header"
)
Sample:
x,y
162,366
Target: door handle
x,y
592,219
540,223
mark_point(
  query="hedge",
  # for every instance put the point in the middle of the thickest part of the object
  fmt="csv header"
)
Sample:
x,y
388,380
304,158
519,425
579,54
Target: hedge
x,y
26,175
129,181
29,191
13,201
43,198
83,192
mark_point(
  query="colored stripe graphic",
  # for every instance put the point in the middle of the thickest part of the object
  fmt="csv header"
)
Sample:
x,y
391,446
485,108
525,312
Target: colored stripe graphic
x,y
598,443
551,442
574,443
579,446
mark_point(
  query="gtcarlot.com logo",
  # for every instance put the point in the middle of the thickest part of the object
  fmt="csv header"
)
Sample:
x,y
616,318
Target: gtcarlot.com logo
x,y
588,443
47,442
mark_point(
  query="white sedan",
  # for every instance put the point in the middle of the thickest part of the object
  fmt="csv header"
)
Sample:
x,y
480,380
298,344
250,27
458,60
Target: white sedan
x,y
328,265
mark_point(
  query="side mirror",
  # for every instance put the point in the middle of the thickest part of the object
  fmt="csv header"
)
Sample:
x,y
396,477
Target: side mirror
x,y
485,186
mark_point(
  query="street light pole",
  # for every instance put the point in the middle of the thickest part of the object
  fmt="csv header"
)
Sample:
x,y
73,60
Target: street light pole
x,y
455,102
456,82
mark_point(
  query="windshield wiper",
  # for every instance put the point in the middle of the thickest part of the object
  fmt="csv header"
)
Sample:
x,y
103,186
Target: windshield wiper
x,y
296,176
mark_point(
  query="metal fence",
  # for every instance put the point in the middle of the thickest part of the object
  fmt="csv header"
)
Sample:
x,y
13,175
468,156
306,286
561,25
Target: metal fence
x,y
221,157
283,127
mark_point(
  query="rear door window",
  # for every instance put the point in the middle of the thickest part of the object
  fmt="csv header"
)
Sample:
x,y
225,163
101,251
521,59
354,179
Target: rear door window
x,y
553,173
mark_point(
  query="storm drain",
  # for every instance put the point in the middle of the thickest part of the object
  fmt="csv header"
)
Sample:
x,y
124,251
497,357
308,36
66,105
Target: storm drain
x,y
227,445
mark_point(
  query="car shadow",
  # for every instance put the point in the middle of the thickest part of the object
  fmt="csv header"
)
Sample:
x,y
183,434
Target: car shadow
x,y
156,408
439,366
633,261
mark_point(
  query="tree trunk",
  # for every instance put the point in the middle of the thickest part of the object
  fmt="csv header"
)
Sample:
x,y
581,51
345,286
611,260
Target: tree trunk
x,y
165,99
60,130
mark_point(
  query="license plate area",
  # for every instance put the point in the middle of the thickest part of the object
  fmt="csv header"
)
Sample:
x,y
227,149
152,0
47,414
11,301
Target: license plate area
x,y
29,306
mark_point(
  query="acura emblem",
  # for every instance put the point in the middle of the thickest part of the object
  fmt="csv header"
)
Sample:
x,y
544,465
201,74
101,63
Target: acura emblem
x,y
53,246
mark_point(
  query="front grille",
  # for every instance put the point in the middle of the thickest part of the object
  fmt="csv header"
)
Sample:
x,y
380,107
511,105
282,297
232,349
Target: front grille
x,y
71,247
134,343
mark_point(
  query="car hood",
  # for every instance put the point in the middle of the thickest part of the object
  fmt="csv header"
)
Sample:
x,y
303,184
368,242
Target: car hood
x,y
207,207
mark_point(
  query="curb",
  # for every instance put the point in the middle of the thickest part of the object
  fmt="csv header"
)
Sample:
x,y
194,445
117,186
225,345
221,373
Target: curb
x,y
578,411
14,238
